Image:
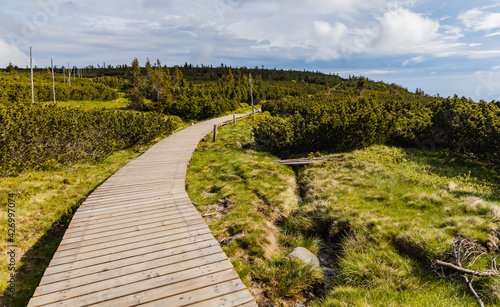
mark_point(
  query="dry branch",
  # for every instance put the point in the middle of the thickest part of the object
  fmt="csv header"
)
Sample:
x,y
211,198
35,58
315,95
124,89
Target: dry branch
x,y
467,271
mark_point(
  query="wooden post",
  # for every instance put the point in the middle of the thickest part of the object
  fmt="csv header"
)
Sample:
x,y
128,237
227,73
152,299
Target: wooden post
x,y
31,65
215,133
234,118
251,92
251,134
53,81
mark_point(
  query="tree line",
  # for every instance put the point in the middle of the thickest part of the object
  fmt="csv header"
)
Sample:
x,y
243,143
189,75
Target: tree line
x,y
310,111
208,92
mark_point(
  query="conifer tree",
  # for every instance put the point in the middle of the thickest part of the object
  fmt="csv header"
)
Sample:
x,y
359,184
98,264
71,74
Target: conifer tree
x,y
136,84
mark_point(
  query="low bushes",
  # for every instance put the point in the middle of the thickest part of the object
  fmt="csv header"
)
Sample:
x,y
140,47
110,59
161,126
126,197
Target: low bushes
x,y
34,135
342,123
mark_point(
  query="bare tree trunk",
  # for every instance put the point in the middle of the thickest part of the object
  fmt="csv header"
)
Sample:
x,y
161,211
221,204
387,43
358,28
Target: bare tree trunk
x,y
53,81
31,66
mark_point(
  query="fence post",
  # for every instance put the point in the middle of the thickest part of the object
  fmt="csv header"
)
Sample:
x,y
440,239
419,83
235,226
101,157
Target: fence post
x,y
53,82
31,67
215,132
234,118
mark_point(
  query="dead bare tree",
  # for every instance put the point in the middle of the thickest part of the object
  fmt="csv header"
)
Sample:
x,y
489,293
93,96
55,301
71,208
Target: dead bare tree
x,y
465,253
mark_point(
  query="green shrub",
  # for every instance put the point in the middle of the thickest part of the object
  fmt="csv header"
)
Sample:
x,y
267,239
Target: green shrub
x,y
34,134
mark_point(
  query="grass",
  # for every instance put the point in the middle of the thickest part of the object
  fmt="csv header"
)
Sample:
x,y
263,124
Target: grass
x,y
379,216
244,197
388,212
45,200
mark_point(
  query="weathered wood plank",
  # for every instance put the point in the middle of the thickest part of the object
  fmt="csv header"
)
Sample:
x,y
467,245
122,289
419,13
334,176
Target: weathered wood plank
x,y
203,248
138,239
115,278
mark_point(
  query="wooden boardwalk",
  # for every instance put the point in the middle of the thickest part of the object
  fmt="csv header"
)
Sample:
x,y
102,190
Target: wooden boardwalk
x,y
138,240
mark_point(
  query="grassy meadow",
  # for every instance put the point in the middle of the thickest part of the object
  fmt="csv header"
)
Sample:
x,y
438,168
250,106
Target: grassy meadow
x,y
377,217
244,197
45,203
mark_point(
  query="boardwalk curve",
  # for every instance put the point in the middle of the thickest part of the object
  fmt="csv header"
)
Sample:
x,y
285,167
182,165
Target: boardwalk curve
x,y
138,240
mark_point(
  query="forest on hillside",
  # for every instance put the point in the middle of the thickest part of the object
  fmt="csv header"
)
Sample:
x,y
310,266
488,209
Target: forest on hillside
x,y
310,111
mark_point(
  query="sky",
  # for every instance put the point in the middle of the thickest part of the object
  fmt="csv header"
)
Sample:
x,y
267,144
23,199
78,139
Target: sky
x,y
441,47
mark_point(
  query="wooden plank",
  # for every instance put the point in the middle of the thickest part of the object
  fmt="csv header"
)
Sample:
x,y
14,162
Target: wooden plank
x,y
138,222
126,288
139,273
240,299
104,218
179,294
126,244
118,207
131,219
201,295
109,217
135,235
202,248
127,207
138,239
108,255
303,161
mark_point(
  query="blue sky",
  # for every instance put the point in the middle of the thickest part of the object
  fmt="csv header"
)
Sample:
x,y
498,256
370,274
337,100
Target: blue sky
x,y
443,47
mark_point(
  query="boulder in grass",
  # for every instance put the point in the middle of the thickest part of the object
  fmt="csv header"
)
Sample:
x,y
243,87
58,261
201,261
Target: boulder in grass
x,y
304,256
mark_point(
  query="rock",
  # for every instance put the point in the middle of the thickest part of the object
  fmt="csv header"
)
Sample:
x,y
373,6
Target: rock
x,y
304,255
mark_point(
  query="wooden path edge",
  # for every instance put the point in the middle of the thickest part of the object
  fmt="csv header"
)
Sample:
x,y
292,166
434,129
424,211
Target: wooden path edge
x,y
139,240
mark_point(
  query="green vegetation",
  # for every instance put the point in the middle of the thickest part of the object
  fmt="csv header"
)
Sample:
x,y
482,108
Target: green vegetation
x,y
244,197
378,216
120,103
16,87
211,91
37,136
45,203
347,118
389,212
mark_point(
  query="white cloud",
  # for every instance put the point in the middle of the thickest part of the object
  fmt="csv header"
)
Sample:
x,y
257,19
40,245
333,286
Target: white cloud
x,y
12,54
452,32
414,60
380,72
403,30
209,31
493,34
331,35
479,20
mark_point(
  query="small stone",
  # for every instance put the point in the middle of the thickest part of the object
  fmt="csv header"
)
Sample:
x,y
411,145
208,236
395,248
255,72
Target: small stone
x,y
304,256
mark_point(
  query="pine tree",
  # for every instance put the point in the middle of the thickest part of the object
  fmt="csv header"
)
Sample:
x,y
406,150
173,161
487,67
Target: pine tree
x,y
136,84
